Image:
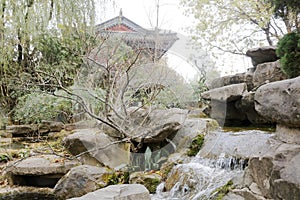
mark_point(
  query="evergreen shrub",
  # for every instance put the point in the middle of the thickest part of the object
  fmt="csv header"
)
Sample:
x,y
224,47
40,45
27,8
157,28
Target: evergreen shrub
x,y
288,51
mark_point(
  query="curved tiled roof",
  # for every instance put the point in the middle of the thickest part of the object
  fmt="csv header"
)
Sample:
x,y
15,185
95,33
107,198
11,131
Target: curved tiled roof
x,y
137,36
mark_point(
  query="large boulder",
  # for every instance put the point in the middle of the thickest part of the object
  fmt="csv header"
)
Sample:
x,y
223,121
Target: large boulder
x,y
149,126
97,148
280,102
277,175
39,171
268,72
233,79
190,129
223,104
118,192
231,144
81,180
226,94
262,55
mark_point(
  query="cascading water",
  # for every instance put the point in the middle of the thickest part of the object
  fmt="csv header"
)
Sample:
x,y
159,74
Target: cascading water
x,y
199,178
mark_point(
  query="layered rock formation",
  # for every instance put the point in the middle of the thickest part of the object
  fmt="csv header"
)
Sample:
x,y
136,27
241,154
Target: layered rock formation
x,y
239,109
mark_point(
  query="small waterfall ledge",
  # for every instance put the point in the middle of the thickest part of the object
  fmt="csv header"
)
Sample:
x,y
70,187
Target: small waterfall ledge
x,y
199,178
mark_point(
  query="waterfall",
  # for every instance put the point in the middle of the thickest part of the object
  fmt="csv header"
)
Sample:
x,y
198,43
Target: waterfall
x,y
199,178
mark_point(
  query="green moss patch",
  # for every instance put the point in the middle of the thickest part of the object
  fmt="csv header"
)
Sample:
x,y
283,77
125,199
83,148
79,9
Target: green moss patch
x,y
222,191
196,145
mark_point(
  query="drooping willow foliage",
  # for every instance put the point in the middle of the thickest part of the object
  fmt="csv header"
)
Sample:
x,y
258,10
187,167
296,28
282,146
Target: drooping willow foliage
x,y
41,35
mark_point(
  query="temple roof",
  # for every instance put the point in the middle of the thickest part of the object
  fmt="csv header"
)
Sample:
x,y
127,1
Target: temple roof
x,y
136,36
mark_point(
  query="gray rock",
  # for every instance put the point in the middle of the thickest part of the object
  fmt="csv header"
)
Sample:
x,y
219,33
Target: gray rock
x,y
26,193
223,104
149,180
158,133
156,127
231,196
227,113
233,79
190,129
21,130
262,55
268,72
288,135
101,147
118,192
246,105
81,180
279,102
227,93
38,171
231,144
50,126
247,194
278,175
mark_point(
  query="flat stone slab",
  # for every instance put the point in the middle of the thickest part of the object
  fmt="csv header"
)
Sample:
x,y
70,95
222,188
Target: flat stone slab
x,y
26,193
118,192
41,165
262,55
227,93
244,144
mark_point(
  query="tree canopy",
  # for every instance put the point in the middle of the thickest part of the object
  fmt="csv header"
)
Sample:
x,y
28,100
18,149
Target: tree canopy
x,y
237,25
41,35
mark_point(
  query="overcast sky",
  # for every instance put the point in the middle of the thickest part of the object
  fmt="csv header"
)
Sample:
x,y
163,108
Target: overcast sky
x,y
144,13
171,17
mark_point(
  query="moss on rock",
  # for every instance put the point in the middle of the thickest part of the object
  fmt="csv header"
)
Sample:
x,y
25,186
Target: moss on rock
x,y
196,145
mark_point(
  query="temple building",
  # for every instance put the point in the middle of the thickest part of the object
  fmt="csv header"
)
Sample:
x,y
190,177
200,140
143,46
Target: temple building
x,y
155,42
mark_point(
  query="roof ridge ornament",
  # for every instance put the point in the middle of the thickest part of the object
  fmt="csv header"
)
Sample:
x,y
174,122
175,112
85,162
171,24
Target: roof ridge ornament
x,y
120,17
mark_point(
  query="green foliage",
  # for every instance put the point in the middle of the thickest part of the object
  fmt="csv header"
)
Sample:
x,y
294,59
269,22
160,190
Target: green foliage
x,y
230,26
35,107
196,145
200,87
222,191
4,158
166,169
151,184
289,52
282,6
118,177
46,36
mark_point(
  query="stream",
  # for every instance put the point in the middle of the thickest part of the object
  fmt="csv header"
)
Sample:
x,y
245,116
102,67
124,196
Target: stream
x,y
199,178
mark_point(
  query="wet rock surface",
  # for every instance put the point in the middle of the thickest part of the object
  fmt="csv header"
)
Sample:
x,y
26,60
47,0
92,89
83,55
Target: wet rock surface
x,y
236,144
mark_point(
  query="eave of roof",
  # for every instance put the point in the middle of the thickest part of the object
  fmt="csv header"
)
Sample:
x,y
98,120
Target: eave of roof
x,y
121,20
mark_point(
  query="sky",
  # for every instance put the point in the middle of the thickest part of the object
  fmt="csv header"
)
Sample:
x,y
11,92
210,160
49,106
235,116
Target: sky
x,y
144,13
171,17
